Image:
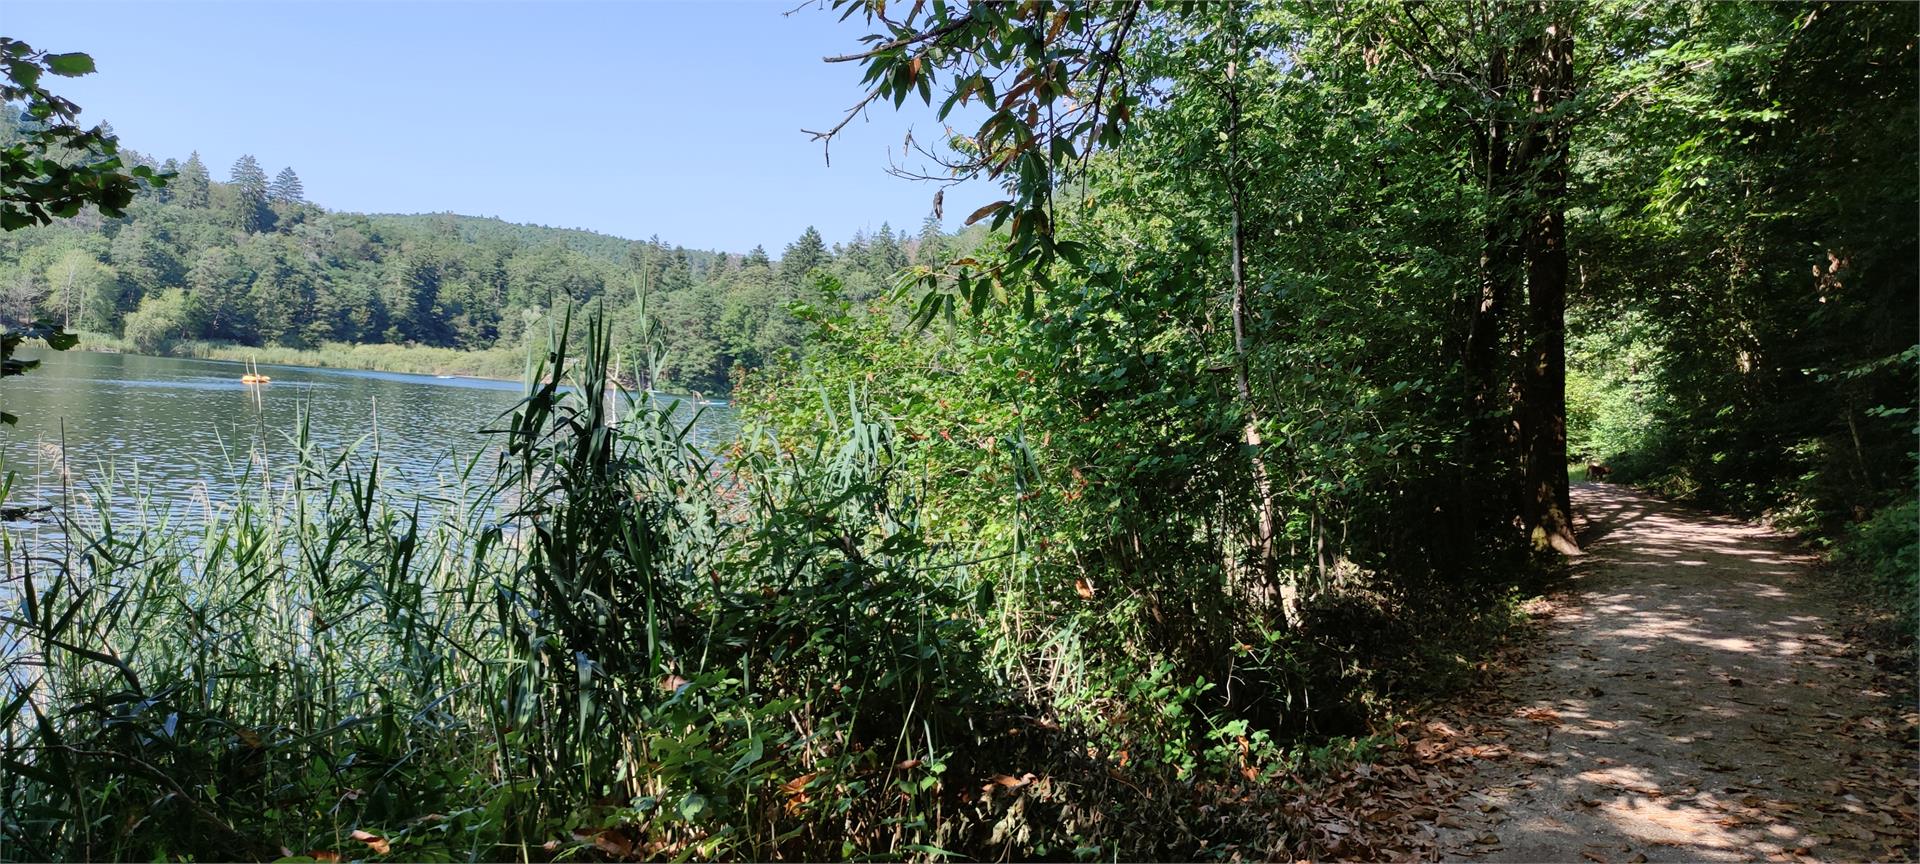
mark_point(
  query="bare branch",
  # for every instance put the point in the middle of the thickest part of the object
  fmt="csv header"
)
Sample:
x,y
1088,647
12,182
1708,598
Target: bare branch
x,y
826,138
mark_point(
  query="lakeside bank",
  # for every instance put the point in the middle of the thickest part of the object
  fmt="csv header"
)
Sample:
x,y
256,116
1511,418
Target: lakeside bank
x,y
497,364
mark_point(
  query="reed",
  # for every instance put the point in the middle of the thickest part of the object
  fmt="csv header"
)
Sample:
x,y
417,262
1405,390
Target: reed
x,y
605,640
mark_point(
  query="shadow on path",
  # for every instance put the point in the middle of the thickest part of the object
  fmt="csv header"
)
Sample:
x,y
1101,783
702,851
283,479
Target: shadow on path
x,y
1692,702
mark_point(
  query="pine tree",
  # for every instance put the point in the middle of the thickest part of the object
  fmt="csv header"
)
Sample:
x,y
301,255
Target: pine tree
x,y
802,256
165,193
249,181
678,274
756,260
932,244
884,256
286,188
193,187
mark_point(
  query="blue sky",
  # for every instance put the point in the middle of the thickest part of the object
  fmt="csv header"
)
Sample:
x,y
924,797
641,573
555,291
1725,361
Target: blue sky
x,y
630,118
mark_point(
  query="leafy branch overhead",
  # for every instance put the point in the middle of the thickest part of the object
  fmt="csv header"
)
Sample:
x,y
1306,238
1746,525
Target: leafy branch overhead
x,y
10,339
1054,85
52,170
56,166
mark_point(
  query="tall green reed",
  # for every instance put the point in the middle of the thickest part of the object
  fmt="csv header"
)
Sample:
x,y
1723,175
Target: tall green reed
x,y
615,641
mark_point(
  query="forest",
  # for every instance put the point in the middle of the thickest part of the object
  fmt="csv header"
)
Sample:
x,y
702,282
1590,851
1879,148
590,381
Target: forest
x,y
199,263
1215,496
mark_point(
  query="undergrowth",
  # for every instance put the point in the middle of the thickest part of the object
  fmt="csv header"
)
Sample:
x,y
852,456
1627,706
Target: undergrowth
x,y
614,645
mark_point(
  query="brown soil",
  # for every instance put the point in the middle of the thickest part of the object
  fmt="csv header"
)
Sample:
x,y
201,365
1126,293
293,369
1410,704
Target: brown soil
x,y
1690,700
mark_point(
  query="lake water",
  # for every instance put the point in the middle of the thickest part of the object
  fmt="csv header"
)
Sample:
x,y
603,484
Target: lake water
x,y
188,433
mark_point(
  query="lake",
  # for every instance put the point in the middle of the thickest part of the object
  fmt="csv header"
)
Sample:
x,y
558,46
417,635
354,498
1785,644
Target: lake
x,y
185,432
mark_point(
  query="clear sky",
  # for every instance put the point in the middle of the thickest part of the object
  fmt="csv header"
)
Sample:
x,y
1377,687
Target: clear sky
x,y
634,118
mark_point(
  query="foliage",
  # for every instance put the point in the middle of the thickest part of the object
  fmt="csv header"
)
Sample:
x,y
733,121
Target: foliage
x,y
10,339
613,646
1887,548
1729,374
52,166
1241,447
262,268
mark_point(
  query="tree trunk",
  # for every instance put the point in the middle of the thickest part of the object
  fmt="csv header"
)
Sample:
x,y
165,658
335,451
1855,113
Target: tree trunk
x,y
1546,506
1487,486
1250,433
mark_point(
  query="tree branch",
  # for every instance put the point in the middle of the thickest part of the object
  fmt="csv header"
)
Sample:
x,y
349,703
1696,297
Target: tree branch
x,y
904,41
826,138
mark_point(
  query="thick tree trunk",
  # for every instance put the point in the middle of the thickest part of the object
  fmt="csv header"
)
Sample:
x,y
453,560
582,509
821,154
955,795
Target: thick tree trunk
x,y
1546,506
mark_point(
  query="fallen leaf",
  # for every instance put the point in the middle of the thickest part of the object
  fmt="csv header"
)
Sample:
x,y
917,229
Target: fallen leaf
x,y
375,842
793,787
1542,716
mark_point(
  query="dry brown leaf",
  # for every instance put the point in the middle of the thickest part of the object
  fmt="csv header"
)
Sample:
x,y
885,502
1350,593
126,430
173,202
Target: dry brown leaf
x,y
612,841
1542,716
793,787
375,842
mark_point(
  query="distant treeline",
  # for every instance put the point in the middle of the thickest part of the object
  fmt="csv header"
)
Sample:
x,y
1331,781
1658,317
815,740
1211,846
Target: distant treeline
x,y
251,262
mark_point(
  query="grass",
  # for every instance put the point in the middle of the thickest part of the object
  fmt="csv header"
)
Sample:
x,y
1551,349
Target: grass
x,y
499,363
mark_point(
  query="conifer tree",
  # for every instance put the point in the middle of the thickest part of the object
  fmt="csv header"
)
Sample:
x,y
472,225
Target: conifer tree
x,y
250,200
932,243
286,188
166,193
193,187
677,275
802,256
756,260
884,255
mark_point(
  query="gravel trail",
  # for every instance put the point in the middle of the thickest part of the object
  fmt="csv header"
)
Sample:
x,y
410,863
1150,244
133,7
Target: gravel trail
x,y
1692,700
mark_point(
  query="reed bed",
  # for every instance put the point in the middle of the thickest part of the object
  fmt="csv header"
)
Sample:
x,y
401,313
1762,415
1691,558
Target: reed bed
x,y
606,645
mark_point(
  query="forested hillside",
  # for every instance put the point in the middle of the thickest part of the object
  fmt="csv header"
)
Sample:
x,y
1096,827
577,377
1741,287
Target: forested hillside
x,y
251,261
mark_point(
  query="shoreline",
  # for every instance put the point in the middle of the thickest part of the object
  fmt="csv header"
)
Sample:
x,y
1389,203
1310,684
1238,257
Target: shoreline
x,y
490,364
424,361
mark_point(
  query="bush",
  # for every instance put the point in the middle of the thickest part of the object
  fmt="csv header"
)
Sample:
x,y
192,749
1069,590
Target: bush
x,y
1886,549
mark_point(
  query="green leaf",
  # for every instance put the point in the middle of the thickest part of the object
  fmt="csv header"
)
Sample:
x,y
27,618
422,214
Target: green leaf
x,y
25,74
70,65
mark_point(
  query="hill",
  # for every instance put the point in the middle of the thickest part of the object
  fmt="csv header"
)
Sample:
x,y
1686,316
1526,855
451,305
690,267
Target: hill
x,y
252,262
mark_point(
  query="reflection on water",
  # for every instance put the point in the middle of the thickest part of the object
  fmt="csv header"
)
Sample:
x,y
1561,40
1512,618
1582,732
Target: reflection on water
x,y
189,434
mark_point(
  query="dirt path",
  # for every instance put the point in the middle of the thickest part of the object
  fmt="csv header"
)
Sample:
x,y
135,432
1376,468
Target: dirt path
x,y
1691,701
